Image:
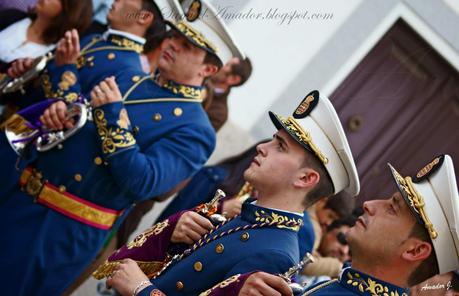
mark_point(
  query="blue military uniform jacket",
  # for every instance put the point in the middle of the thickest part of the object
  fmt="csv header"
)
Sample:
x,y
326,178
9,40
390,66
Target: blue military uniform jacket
x,y
259,239
132,150
354,282
201,189
101,56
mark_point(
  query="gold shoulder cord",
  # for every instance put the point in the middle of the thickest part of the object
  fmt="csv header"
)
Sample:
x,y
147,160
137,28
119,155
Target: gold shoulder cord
x,y
153,100
134,86
320,287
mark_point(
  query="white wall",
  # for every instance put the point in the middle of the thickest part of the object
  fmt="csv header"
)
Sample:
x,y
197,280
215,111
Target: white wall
x,y
278,49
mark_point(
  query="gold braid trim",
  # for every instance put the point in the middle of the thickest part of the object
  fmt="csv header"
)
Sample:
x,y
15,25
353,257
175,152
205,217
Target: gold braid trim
x,y
126,43
278,220
197,36
309,292
419,204
223,284
16,124
140,239
112,138
107,268
187,91
370,286
416,201
305,137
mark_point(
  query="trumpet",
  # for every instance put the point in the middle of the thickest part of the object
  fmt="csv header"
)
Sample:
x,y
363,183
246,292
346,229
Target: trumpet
x,y
297,289
24,128
209,209
9,84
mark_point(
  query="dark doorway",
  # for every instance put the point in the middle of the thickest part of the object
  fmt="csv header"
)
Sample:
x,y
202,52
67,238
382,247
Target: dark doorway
x,y
399,105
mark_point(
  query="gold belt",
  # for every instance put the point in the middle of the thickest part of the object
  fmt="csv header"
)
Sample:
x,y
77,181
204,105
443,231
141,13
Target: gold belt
x,y
65,203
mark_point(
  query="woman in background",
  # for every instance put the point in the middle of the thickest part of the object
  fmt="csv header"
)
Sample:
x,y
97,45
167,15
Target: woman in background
x,y
32,34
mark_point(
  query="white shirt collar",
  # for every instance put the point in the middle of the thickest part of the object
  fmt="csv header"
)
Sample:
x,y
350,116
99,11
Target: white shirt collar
x,y
131,36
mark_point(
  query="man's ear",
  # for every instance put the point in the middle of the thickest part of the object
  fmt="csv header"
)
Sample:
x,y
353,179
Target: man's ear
x,y
416,250
208,70
307,179
145,18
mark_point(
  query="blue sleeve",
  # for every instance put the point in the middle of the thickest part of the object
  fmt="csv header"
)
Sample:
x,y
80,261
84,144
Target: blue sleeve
x,y
156,169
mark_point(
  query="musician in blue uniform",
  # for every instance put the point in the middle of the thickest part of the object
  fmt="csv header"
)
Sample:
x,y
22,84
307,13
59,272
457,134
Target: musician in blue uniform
x,y
135,145
296,168
396,244
77,67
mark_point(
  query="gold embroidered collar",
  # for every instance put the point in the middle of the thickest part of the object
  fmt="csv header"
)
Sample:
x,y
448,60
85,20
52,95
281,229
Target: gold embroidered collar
x,y
364,284
188,91
126,43
280,219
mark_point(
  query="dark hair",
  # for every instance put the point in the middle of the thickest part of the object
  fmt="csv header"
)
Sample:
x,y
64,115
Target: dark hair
x,y
242,69
345,221
155,33
211,58
154,41
236,165
429,267
325,186
341,203
75,14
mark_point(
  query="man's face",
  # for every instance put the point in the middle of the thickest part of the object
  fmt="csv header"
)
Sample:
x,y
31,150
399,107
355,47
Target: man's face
x,y
277,165
382,229
325,216
332,246
225,73
180,60
124,13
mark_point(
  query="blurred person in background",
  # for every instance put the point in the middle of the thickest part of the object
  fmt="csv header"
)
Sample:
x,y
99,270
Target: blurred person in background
x,y
35,33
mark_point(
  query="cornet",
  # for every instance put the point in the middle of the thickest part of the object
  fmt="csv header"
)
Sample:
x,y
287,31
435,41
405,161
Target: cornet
x,y
209,209
9,84
25,127
297,289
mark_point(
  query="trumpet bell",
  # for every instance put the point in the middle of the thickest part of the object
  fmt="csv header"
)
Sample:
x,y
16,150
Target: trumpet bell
x,y
77,111
13,85
21,130
19,140
4,81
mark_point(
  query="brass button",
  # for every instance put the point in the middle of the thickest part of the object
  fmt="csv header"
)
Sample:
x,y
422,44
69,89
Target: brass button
x,y
198,266
111,56
135,78
157,117
62,188
245,236
179,285
78,177
98,160
178,111
219,248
